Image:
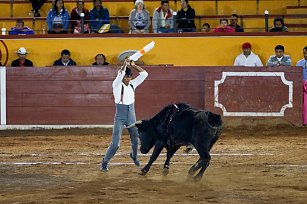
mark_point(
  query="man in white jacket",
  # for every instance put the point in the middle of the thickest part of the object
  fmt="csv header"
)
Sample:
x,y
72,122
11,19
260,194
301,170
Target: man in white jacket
x,y
162,19
123,90
247,57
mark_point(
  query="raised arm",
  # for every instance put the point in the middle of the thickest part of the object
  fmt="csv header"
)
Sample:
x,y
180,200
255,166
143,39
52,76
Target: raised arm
x,y
120,75
136,67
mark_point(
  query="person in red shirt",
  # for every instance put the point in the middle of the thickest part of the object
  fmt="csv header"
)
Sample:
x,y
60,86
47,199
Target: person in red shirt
x,y
22,61
223,27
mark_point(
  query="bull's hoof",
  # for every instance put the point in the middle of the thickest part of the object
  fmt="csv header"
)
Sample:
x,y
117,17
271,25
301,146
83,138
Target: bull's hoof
x,y
143,172
165,171
197,178
192,171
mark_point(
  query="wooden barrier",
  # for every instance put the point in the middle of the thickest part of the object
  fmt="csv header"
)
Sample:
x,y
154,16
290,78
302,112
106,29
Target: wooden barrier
x,y
83,95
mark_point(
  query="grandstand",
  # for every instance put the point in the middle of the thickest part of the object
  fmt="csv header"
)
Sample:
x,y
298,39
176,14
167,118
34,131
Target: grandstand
x,y
251,12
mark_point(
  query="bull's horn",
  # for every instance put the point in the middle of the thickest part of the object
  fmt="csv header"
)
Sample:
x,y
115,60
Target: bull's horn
x,y
133,125
139,122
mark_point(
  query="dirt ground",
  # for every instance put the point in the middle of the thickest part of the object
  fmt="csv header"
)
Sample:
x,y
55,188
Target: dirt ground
x,y
256,165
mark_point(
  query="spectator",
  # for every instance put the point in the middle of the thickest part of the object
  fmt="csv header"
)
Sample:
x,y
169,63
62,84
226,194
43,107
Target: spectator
x,y
100,60
279,25
76,18
22,60
234,23
303,63
185,17
58,18
248,58
139,19
223,27
65,59
279,59
100,19
205,28
162,19
36,6
21,29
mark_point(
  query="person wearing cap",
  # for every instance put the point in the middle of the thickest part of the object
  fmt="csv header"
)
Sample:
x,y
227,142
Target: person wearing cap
x,y
162,19
65,59
279,59
124,97
303,63
247,57
22,60
139,19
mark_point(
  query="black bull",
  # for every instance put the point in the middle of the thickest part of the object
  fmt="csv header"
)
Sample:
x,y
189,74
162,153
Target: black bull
x,y
180,125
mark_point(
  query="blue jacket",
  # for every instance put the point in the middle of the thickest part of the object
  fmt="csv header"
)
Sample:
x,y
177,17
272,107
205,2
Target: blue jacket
x,y
52,15
99,18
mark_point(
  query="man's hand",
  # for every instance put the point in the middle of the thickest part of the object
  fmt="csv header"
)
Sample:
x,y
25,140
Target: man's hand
x,y
132,63
126,62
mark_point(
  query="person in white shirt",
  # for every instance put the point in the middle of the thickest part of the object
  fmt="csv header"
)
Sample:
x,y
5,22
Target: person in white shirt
x,y
247,57
124,91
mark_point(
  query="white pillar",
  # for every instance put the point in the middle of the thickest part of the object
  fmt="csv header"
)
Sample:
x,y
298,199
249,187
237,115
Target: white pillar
x,y
3,95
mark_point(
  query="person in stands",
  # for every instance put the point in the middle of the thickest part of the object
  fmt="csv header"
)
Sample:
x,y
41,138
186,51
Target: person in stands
x,y
22,60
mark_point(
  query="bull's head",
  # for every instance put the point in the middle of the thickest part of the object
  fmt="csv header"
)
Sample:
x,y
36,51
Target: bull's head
x,y
147,136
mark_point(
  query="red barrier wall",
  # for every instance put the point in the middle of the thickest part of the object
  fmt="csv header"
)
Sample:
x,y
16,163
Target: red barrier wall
x,y
83,95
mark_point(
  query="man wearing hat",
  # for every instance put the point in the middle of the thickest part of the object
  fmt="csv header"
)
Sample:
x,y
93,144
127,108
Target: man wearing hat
x,y
124,97
247,57
22,61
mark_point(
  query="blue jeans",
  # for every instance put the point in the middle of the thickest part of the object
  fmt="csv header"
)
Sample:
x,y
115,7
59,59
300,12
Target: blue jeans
x,y
125,115
165,30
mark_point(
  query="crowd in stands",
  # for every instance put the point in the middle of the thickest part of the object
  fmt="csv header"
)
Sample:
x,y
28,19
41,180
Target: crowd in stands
x,y
64,60
97,20
246,58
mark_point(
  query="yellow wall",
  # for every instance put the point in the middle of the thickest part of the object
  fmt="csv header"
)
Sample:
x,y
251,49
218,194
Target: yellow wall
x,y
213,51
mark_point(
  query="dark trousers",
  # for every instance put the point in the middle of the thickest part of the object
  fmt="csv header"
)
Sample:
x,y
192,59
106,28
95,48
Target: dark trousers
x,y
37,4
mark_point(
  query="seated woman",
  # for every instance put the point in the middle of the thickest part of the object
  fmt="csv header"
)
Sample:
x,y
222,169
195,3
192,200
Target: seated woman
x,y
76,18
279,25
100,60
58,18
139,19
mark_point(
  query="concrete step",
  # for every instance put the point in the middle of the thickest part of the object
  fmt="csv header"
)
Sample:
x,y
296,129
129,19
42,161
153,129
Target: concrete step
x,y
297,27
296,10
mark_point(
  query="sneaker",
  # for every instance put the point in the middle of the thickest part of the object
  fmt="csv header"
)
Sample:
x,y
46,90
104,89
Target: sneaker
x,y
104,169
136,161
104,166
